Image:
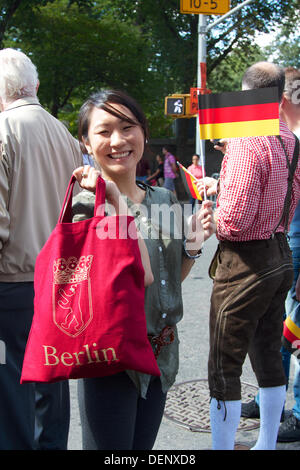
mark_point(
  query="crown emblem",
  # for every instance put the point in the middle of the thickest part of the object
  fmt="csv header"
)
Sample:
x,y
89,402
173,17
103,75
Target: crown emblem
x,y
72,270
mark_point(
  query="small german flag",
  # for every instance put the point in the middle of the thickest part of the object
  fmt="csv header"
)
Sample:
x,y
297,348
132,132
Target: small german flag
x,y
189,182
239,114
291,330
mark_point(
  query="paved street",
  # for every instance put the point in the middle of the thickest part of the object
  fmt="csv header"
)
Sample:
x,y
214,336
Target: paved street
x,y
193,331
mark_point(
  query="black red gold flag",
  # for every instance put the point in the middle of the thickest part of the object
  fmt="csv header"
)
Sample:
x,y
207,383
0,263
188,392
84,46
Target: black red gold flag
x,y
239,114
189,182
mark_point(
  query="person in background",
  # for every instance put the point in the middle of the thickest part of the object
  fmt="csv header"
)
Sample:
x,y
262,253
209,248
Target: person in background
x,y
196,171
158,175
170,170
124,411
33,146
143,170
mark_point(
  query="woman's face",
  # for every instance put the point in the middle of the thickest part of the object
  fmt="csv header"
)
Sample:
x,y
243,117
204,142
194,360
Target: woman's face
x,y
195,160
116,144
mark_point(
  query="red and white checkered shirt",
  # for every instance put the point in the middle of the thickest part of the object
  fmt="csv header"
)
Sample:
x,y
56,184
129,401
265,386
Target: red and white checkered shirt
x,y
253,186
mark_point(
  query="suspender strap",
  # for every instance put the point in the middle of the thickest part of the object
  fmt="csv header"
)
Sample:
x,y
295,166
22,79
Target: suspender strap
x,y
291,167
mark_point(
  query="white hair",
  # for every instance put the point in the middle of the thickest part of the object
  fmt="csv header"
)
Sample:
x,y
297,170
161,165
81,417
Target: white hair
x,y
18,75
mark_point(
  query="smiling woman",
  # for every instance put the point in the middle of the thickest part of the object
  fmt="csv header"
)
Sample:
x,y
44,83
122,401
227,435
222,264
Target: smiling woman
x,y
124,411
114,130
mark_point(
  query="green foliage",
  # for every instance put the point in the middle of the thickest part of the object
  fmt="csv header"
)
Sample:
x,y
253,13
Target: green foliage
x,y
145,47
285,49
76,54
227,76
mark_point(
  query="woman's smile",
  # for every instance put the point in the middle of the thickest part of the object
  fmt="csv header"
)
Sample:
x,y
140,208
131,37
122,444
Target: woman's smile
x,y
120,155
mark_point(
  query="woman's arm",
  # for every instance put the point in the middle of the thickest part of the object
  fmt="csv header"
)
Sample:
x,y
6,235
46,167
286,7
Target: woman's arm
x,y
156,173
201,227
149,278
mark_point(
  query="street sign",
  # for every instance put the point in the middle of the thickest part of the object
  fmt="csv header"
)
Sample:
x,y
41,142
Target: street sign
x,y
194,98
206,7
175,106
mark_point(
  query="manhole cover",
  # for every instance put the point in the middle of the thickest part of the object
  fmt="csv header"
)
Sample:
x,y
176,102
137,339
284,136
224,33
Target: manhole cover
x,y
188,405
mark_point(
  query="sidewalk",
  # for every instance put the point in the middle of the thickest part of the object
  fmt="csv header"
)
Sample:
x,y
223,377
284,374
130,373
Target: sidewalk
x,y
193,334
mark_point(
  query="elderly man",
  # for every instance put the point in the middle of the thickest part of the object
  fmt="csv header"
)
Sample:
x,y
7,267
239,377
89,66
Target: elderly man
x,y
37,158
254,271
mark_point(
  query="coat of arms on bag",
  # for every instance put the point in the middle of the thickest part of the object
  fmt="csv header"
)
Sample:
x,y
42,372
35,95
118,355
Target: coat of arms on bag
x,y
71,298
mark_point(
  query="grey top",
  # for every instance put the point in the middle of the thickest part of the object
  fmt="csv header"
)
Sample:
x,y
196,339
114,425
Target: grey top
x,y
162,230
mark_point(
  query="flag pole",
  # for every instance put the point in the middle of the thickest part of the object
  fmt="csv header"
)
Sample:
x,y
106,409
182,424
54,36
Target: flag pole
x,y
201,152
201,83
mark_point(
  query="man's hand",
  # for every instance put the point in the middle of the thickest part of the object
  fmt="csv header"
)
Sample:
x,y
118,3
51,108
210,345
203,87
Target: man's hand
x,y
210,185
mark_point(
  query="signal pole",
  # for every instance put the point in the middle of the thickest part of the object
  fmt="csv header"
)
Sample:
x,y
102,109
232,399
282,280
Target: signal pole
x,y
203,29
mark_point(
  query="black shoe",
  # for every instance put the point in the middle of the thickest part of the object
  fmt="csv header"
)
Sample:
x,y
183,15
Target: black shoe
x,y
250,410
289,430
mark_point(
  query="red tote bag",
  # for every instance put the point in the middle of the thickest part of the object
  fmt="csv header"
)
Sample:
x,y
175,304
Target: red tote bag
x,y
89,318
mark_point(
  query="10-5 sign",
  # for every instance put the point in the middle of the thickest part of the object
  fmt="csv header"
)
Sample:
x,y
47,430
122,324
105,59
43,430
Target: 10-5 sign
x,y
208,7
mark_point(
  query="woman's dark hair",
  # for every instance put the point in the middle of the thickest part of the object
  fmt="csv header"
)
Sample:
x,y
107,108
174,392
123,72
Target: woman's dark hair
x,y
105,99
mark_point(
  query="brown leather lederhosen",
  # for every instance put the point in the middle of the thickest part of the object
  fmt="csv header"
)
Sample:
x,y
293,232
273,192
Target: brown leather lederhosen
x,y
251,282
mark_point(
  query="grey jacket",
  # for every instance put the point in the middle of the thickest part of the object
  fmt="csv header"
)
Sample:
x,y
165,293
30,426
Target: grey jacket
x,y
37,158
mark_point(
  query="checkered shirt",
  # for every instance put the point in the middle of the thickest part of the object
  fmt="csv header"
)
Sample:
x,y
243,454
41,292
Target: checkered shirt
x,y
253,186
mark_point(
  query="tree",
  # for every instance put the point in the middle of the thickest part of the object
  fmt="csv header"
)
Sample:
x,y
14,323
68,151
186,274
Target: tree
x,y
285,49
174,39
146,47
174,35
76,53
8,9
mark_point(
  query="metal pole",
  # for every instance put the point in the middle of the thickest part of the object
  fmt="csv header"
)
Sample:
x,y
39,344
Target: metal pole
x,y
202,21
201,83
202,35
230,12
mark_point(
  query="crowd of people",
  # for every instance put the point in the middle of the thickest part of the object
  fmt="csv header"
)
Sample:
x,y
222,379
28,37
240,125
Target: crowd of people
x,y
257,195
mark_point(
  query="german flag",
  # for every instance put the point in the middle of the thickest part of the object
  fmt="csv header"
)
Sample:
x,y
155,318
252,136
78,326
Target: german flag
x,y
239,114
291,330
189,182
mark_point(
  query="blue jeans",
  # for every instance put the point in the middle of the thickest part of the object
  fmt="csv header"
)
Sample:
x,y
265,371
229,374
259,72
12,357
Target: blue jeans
x,y
290,304
169,184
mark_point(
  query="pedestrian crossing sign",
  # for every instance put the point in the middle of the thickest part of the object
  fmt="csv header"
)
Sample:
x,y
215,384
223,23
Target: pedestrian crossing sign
x,y
175,105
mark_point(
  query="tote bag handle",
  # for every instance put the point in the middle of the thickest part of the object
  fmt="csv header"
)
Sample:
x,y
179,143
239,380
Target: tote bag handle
x,y
66,211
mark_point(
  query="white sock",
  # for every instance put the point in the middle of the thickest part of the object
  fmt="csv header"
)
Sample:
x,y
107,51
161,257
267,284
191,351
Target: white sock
x,y
224,421
271,403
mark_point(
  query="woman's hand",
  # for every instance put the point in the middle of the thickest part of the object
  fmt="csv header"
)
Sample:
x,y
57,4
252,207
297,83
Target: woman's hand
x,y
201,227
87,178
